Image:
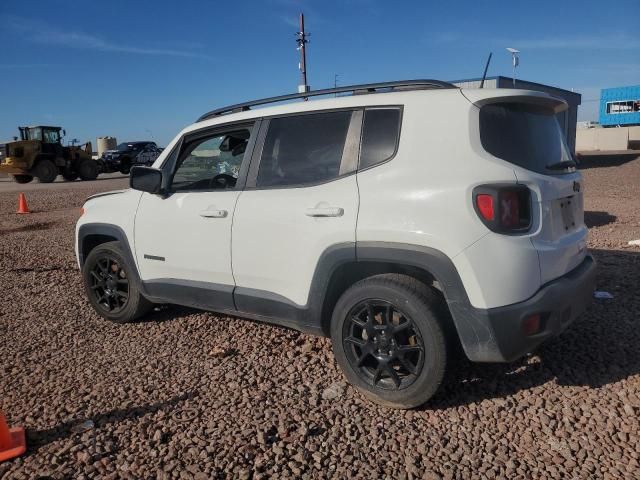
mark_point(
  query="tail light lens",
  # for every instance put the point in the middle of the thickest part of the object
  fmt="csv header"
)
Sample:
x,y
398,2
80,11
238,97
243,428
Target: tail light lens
x,y
484,203
503,208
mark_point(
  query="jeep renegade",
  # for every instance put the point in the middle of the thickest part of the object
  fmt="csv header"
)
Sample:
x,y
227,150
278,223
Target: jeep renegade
x,y
400,219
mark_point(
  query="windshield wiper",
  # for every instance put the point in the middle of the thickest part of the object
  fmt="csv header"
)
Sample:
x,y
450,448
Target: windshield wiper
x,y
561,165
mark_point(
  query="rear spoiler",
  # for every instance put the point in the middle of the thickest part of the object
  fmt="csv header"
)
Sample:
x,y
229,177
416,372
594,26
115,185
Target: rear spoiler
x,y
485,96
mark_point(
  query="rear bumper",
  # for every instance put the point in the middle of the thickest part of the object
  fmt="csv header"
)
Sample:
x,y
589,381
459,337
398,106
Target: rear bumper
x,y
503,339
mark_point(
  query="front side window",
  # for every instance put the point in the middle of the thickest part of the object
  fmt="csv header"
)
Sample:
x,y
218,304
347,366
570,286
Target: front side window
x,y
211,163
303,149
526,135
34,134
51,136
379,135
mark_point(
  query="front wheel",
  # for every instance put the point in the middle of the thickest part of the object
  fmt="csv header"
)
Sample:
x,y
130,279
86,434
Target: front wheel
x,y
22,178
46,171
125,166
110,285
387,338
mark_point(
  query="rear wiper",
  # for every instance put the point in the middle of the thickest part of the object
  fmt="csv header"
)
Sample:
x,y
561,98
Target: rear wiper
x,y
561,165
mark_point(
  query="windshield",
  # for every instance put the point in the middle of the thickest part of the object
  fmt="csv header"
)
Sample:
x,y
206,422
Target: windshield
x,y
126,146
526,135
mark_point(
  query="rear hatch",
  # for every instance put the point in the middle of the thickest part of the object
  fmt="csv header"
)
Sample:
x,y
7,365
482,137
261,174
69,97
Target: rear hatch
x,y
522,128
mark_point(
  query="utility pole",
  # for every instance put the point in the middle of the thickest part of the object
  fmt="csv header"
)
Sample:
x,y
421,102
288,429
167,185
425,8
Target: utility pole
x,y
302,41
335,83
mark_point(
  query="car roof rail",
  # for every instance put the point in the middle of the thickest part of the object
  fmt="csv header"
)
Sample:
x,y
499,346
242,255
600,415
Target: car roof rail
x,y
402,85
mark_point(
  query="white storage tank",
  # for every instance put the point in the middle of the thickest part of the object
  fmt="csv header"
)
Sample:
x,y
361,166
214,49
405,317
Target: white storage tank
x,y
106,143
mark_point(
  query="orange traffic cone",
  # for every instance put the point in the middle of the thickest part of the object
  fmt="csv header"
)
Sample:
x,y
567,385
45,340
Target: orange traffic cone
x,y
22,204
12,441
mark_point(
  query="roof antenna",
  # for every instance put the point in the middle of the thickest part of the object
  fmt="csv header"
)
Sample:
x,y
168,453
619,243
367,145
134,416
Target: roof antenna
x,y
486,67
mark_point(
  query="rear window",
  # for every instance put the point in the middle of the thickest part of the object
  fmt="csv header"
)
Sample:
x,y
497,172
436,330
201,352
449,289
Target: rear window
x,y
526,135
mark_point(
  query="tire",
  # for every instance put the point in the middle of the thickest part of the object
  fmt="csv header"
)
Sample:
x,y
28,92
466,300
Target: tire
x,y
111,286
46,171
125,166
412,344
88,169
69,175
22,178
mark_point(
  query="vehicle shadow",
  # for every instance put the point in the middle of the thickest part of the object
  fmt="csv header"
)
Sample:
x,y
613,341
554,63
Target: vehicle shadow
x,y
28,228
599,348
598,219
597,161
163,313
36,439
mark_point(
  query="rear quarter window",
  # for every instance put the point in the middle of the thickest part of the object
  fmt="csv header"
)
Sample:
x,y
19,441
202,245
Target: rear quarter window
x,y
380,133
526,135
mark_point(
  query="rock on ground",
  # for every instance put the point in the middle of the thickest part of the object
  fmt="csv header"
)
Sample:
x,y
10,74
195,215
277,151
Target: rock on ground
x,y
188,394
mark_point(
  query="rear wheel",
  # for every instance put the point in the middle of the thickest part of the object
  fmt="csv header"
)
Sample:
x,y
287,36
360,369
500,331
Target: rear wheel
x,y
88,169
110,285
388,340
22,178
46,171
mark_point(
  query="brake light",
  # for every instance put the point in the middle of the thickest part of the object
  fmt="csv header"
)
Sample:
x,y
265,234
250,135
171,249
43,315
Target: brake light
x,y
484,202
503,208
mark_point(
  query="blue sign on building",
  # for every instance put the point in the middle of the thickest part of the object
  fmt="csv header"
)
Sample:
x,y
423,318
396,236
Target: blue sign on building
x,y
620,106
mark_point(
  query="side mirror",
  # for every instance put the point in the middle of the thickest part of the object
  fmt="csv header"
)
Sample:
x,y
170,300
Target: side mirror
x,y
146,179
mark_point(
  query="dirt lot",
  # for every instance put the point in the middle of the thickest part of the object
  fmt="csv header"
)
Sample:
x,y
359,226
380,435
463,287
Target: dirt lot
x,y
187,394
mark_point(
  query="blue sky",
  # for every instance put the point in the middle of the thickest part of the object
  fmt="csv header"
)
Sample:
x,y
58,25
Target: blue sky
x,y
145,69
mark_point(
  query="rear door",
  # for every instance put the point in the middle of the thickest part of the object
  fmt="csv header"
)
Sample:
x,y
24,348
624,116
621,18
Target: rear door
x,y
301,200
526,133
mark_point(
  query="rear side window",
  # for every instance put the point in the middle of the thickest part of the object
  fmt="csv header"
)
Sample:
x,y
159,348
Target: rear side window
x,y
526,135
379,135
303,149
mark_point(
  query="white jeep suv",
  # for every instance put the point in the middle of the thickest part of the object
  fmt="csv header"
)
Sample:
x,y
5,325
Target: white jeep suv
x,y
400,219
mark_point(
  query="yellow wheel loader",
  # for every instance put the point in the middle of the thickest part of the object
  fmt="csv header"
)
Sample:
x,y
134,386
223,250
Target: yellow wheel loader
x,y
39,153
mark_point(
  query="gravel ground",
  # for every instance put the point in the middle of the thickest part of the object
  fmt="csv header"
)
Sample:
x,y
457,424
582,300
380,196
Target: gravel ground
x,y
187,394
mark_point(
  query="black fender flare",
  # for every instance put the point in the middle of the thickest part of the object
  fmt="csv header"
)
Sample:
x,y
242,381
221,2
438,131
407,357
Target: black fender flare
x,y
107,230
478,341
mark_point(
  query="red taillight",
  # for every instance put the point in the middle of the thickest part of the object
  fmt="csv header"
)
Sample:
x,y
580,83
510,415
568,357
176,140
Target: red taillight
x,y
485,206
504,208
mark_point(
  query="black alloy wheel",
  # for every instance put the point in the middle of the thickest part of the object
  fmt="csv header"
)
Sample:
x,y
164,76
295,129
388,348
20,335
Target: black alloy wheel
x,y
383,344
388,336
109,283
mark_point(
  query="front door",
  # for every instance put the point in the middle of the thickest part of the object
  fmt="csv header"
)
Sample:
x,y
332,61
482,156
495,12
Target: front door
x,y
183,238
